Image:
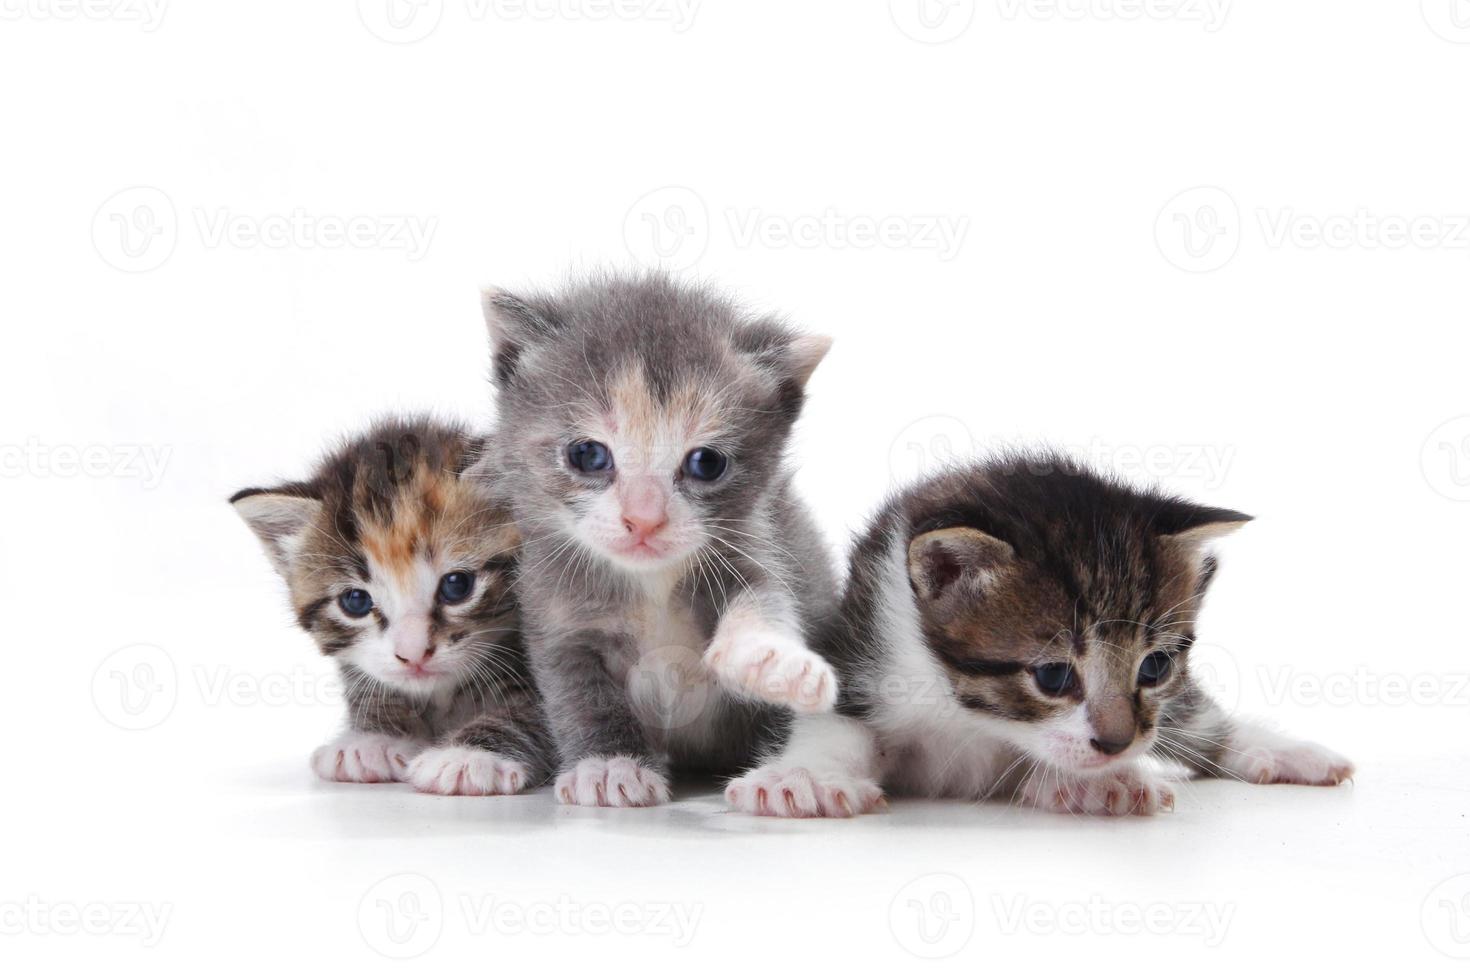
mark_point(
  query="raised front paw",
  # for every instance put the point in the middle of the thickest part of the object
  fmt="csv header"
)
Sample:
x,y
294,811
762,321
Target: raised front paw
x,y
773,667
1114,793
1279,760
360,757
458,770
772,791
611,781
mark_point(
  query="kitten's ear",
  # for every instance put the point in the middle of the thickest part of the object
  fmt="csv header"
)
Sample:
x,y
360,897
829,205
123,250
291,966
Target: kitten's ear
x,y
956,557
1195,528
279,520
515,327
791,356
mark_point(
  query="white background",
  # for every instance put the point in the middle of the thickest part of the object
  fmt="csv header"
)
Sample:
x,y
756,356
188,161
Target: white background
x,y
1221,246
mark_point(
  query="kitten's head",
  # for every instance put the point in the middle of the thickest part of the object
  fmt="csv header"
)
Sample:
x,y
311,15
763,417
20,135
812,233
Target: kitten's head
x,y
398,562
1061,604
643,419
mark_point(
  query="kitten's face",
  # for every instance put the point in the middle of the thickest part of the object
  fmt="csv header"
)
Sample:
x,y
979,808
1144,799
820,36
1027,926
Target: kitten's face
x,y
1074,666
398,564
644,420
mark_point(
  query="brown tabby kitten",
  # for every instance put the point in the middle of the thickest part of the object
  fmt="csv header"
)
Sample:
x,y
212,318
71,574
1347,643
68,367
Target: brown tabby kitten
x,y
1022,629
400,568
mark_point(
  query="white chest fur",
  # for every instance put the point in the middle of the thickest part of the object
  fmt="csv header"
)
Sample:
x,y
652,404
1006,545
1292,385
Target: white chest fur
x,y
674,697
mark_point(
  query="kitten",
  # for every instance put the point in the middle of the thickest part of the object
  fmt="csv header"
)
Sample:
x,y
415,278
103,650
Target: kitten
x,y
399,566
669,572
1021,629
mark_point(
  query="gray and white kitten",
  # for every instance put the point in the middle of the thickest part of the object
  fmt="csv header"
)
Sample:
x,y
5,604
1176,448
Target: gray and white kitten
x,y
1021,629
399,565
670,576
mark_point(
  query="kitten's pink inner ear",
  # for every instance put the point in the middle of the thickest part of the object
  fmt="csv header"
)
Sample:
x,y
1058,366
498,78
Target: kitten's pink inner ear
x,y
938,560
1198,538
806,352
494,317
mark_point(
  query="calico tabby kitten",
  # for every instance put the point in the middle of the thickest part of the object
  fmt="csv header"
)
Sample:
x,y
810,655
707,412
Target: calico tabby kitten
x,y
399,566
669,573
1022,629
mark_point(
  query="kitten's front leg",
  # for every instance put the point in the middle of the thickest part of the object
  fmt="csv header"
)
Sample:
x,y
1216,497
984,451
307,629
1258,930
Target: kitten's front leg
x,y
605,756
828,768
506,749
365,757
1116,792
758,652
1197,732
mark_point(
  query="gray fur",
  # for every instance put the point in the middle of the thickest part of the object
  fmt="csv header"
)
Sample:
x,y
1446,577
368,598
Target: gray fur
x,y
558,357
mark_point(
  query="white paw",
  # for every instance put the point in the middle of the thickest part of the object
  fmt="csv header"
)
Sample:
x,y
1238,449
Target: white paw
x,y
773,667
1115,793
771,791
611,781
360,757
1278,760
458,770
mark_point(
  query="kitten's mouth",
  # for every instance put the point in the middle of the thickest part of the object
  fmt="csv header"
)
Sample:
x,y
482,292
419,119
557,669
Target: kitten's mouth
x,y
642,550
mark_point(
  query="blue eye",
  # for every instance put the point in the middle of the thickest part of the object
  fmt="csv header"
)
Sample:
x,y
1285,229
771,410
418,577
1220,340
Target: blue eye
x,y
1155,667
355,603
1054,679
589,457
705,463
455,587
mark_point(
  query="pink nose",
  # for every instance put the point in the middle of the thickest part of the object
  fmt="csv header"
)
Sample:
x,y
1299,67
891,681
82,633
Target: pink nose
x,y
643,525
645,506
412,658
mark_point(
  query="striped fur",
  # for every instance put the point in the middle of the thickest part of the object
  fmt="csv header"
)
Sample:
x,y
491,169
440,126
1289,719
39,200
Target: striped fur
x,y
390,513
